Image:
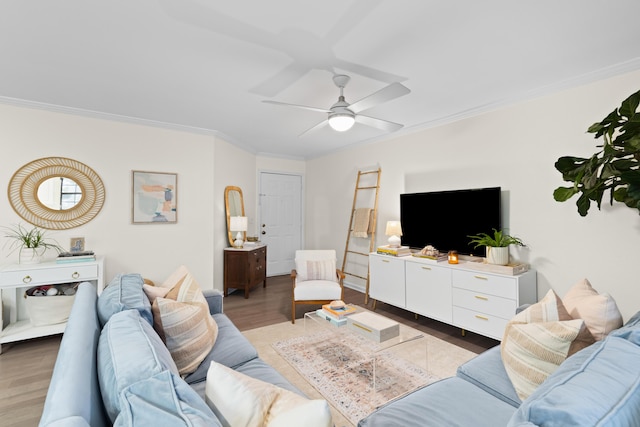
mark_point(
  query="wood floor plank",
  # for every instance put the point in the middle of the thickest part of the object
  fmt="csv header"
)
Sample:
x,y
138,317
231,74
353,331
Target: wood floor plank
x,y
26,367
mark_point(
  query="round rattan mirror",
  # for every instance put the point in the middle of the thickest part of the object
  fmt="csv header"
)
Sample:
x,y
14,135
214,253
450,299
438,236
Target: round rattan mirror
x,y
26,189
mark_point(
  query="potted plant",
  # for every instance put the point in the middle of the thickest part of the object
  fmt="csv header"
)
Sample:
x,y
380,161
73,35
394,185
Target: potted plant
x,y
497,245
32,243
615,168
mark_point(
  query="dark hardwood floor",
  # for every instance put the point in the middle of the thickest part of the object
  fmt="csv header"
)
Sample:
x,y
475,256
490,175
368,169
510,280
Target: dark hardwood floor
x,y
26,367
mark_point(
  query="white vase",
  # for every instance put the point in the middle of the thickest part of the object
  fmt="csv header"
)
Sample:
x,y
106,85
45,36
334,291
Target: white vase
x,y
498,255
30,255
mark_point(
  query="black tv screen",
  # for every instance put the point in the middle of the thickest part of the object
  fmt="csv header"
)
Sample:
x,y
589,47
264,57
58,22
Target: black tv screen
x,y
445,219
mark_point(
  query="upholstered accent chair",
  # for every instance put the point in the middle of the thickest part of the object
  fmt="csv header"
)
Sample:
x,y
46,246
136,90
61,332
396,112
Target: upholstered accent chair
x,y
315,280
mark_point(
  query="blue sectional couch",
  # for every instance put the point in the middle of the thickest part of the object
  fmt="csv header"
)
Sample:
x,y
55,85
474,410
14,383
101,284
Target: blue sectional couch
x,y
597,386
74,397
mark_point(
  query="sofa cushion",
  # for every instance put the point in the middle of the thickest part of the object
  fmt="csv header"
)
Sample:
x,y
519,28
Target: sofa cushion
x,y
599,311
165,397
597,386
537,340
452,402
124,292
230,349
487,371
129,350
240,400
630,331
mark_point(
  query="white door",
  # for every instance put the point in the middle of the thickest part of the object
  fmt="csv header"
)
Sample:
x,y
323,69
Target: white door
x,y
280,224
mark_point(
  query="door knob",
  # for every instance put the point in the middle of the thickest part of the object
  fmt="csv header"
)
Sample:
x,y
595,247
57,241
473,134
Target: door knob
x,y
264,232
264,225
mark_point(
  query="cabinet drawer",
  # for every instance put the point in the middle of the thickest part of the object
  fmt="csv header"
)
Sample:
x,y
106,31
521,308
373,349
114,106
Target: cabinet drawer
x,y
484,303
481,323
43,276
501,286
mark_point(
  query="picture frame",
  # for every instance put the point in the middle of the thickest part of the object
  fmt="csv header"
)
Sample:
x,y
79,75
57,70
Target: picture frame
x,y
154,197
76,244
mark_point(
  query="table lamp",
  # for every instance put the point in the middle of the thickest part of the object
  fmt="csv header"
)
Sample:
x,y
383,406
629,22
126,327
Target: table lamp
x,y
394,231
239,224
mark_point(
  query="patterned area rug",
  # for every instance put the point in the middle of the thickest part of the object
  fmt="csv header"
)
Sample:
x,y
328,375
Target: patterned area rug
x,y
340,368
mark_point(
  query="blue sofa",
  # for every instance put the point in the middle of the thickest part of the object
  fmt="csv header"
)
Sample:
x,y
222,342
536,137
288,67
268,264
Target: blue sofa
x,y
74,397
597,386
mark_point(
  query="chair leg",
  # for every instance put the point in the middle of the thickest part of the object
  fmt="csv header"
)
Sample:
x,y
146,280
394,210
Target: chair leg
x,y
293,312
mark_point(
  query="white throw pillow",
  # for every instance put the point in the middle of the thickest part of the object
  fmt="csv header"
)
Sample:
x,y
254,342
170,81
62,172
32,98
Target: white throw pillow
x,y
599,311
316,270
242,401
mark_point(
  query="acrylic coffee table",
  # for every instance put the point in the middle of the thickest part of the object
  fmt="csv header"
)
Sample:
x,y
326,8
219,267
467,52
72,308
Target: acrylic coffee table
x,y
390,368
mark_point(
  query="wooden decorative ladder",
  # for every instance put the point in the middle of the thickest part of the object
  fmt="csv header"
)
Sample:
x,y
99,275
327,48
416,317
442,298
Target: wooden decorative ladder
x,y
372,227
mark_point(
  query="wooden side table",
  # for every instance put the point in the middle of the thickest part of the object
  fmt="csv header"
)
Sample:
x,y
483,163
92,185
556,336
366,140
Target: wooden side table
x,y
245,268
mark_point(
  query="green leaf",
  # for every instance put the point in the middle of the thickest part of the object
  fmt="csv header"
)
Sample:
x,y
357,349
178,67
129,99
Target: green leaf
x,y
568,163
630,105
562,194
583,204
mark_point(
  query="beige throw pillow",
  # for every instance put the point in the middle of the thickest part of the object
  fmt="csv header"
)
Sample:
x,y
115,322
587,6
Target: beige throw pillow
x,y
316,270
537,340
183,321
599,311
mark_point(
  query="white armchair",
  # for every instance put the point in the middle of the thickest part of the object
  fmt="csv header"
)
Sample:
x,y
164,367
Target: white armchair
x,y
315,280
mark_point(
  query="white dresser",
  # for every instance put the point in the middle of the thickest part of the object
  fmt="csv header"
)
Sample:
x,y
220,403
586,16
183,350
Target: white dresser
x,y
451,293
15,279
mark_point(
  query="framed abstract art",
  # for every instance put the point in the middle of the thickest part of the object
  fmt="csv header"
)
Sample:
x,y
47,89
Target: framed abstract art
x,y
154,197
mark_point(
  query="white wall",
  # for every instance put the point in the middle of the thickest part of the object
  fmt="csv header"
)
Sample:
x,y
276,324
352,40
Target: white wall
x,y
113,149
514,148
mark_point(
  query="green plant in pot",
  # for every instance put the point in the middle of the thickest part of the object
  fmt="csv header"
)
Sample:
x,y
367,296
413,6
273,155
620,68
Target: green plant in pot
x,y
32,243
497,245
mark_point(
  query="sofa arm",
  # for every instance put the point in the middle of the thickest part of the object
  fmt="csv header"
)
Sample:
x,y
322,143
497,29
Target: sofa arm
x,y
214,299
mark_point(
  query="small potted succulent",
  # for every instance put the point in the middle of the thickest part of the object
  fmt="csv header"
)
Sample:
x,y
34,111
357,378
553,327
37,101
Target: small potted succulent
x,y
497,245
32,243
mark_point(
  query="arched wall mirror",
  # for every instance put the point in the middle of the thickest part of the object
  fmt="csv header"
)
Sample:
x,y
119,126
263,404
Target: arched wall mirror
x,y
234,204
56,193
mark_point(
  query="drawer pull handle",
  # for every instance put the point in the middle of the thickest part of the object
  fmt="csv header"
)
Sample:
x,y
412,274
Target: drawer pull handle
x,y
75,275
426,268
481,317
385,260
26,279
482,298
481,277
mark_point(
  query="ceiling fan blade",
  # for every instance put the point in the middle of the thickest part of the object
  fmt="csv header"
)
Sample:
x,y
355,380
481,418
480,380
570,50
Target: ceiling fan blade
x,y
393,91
304,107
315,128
378,123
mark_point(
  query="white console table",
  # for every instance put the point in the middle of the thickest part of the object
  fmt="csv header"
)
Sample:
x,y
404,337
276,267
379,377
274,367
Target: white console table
x,y
16,278
472,300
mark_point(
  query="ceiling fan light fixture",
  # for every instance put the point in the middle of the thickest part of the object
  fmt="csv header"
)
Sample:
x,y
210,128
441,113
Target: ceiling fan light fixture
x,y
341,122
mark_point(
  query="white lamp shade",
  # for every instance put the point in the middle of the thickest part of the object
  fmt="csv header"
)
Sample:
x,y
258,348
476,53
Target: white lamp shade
x,y
341,122
394,231
393,228
238,223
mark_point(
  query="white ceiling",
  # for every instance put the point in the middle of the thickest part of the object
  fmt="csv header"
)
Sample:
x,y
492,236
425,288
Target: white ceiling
x,y
208,65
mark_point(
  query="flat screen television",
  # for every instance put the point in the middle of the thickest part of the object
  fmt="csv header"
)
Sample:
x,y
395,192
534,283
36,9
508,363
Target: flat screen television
x,y
444,219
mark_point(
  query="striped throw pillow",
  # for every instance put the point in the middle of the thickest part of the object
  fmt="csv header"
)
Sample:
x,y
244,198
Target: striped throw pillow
x,y
183,322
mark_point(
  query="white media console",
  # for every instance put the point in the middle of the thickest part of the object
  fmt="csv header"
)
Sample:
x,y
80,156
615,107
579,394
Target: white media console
x,y
472,300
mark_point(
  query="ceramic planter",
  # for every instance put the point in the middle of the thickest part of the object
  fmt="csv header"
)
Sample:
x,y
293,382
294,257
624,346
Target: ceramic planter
x,y
498,255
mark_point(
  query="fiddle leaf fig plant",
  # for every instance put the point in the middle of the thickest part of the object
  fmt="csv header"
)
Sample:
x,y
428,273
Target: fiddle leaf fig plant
x,y
615,168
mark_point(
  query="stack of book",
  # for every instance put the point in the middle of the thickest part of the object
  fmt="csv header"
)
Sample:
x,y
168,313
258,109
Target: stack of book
x,y
399,251
439,257
75,256
337,316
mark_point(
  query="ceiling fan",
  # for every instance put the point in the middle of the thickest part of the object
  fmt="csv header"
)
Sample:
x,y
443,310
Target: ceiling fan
x,y
341,116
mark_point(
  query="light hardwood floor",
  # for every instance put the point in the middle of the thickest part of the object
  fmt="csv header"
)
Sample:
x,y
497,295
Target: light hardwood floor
x,y
26,367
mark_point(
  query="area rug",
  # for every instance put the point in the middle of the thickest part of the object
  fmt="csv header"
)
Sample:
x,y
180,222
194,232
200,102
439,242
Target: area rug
x,y
443,359
341,368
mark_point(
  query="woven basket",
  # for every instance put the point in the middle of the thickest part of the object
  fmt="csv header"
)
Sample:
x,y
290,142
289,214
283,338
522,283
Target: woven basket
x,y
48,310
